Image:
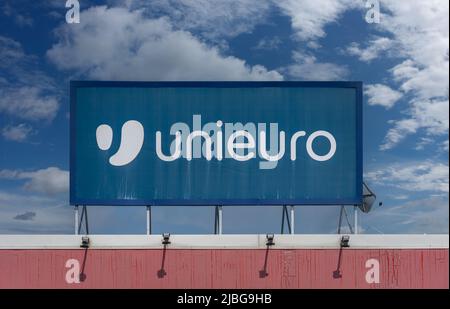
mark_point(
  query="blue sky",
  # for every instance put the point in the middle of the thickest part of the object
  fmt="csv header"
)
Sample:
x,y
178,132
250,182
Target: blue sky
x,y
402,61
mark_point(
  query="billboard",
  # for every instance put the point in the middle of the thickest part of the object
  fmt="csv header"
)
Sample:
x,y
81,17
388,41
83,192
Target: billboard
x,y
215,143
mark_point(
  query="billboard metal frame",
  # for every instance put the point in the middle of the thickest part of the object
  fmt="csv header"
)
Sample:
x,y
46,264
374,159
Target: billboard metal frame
x,y
357,85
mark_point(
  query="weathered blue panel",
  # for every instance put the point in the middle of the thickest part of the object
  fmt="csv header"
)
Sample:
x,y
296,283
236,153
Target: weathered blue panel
x,y
114,157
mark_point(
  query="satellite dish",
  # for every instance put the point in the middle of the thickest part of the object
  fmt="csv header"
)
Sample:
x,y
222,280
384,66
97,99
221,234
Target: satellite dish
x,y
368,199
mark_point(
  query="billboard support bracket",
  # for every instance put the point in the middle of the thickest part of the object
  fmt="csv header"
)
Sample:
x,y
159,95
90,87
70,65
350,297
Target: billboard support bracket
x,y
288,218
344,212
84,217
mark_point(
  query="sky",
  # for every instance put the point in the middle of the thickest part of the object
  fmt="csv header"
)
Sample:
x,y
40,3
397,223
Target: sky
x,y
402,60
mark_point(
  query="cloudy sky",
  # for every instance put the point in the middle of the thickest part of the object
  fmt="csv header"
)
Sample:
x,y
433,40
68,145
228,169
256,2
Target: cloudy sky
x,y
403,62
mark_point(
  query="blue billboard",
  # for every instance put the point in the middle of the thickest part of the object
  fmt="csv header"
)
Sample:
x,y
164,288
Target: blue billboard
x,y
215,143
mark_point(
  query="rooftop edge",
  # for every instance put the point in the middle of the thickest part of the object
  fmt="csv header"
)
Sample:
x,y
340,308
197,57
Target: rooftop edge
x,y
230,241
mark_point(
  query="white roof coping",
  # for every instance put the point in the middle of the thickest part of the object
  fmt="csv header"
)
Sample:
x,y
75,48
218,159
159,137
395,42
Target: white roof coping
x,y
298,241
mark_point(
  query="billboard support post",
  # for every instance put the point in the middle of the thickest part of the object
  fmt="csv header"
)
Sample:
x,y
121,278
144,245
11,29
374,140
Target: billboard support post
x,y
149,220
340,219
76,219
218,220
292,219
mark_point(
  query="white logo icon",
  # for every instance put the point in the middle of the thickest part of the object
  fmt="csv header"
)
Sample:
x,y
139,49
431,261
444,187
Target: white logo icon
x,y
131,141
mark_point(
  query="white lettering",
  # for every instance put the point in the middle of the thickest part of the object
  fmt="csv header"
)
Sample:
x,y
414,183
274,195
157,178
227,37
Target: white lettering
x,y
231,145
311,152
176,154
294,144
189,140
240,142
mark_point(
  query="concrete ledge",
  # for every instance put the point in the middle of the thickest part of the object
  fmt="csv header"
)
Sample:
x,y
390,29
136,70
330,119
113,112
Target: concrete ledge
x,y
300,241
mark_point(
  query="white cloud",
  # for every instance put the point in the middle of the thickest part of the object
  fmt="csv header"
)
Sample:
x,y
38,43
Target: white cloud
x,y
425,83
268,43
401,129
424,141
307,67
400,197
210,19
25,92
420,32
23,20
308,18
26,216
425,176
10,51
429,115
20,19
114,43
444,145
382,95
18,133
28,102
52,216
308,22
427,215
21,69
49,181
421,28
375,47
432,115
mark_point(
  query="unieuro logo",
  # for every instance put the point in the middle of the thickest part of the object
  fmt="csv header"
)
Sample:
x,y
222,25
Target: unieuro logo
x,y
215,140
131,141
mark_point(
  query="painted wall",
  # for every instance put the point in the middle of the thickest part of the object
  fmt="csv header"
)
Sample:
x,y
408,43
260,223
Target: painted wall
x,y
224,268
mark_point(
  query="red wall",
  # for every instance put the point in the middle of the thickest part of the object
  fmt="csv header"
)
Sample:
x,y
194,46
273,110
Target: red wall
x,y
224,268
